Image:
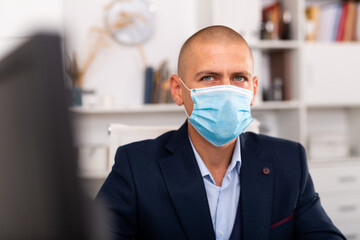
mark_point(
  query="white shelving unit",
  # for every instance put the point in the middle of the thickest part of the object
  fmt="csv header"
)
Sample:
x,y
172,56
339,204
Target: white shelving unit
x,y
324,82
276,44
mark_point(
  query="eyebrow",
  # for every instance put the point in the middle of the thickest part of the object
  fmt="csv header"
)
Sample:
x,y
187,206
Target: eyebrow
x,y
203,73
210,73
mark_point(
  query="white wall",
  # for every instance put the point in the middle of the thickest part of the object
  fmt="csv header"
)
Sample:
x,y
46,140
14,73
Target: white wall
x,y
20,18
118,71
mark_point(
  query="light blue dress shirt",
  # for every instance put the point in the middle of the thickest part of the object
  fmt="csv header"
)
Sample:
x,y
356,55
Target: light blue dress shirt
x,y
223,200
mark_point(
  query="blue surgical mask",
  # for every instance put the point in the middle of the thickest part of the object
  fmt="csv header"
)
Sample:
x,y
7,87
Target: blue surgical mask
x,y
220,113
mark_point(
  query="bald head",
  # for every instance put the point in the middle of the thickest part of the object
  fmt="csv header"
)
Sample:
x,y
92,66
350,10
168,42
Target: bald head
x,y
209,35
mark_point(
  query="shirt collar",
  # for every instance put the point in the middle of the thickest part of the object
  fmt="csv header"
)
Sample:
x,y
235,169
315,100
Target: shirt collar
x,y
235,161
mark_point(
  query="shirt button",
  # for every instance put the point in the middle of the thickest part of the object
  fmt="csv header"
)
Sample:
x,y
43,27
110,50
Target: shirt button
x,y
221,233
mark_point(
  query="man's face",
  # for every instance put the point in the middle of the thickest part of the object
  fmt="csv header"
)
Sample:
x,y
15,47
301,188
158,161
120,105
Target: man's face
x,y
215,64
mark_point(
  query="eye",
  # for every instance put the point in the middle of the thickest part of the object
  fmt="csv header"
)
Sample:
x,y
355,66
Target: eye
x,y
239,78
207,78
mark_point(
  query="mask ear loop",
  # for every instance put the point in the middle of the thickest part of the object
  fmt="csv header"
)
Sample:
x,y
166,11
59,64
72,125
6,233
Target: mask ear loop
x,y
184,84
189,91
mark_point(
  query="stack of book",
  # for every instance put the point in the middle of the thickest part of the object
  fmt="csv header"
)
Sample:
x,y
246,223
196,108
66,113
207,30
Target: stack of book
x,y
333,22
276,75
157,85
275,22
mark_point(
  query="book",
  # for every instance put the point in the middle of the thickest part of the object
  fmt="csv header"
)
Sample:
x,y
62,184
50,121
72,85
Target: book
x,y
164,87
312,21
272,14
337,20
149,75
356,22
341,27
350,22
357,34
156,87
157,84
327,21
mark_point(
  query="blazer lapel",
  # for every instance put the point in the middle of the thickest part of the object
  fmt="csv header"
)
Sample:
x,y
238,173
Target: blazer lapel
x,y
186,188
256,181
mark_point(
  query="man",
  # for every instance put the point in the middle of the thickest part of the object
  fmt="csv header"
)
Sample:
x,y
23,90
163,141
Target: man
x,y
208,180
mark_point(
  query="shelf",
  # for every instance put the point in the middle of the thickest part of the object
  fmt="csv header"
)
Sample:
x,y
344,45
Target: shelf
x,y
148,108
296,44
277,105
276,44
315,106
170,107
332,44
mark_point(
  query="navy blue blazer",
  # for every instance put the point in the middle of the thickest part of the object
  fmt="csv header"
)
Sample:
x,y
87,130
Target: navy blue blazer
x,y
155,191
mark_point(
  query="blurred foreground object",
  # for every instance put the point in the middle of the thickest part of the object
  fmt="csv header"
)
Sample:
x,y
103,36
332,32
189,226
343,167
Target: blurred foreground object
x,y
41,197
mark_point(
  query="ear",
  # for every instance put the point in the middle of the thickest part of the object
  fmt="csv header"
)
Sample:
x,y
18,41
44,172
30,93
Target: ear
x,y
255,87
175,89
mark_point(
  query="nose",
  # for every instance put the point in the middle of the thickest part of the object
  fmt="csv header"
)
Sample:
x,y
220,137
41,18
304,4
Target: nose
x,y
226,81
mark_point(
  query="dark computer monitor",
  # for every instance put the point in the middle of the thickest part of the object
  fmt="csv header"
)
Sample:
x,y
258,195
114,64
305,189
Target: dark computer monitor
x,y
40,195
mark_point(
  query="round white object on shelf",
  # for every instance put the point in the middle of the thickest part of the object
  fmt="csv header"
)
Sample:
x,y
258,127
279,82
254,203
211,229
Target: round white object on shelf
x,y
130,22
